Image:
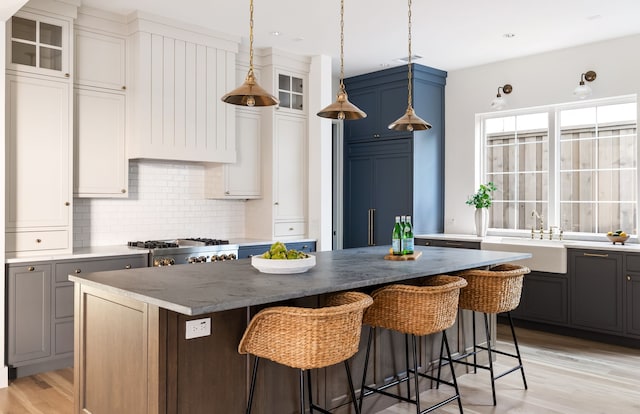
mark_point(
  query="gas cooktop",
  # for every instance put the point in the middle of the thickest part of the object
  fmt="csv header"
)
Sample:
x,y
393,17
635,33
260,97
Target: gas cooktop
x,y
175,243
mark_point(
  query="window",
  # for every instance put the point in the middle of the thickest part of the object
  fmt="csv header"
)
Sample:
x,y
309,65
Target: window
x,y
574,165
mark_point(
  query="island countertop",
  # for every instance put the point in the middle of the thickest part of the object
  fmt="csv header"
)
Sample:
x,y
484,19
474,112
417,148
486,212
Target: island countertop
x,y
211,287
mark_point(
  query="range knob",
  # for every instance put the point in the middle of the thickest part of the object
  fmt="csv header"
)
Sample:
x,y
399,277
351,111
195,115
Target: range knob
x,y
192,259
215,258
202,259
232,256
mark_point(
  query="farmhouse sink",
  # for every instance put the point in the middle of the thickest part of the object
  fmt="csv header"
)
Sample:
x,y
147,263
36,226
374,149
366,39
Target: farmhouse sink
x,y
547,255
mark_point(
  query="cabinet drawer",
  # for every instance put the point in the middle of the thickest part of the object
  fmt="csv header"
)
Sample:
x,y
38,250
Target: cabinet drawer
x,y
448,243
37,240
64,302
633,262
289,229
63,332
64,269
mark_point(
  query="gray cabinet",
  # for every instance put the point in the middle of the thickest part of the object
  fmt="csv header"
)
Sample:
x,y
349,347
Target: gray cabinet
x,y
40,309
632,294
28,316
596,290
545,298
448,243
245,252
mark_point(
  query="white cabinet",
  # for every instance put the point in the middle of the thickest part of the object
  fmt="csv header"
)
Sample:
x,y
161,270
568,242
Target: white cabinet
x,y
100,60
38,43
101,167
239,180
38,164
179,77
289,163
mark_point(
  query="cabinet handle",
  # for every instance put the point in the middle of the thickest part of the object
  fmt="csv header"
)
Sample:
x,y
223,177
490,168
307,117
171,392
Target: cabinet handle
x,y
123,191
77,271
628,277
124,88
66,75
226,192
371,227
304,247
290,228
38,240
128,266
595,255
453,243
66,203
31,268
276,204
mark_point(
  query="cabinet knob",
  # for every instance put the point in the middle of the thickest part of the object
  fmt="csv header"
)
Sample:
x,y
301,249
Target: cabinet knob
x,y
38,240
77,271
66,75
124,88
66,203
31,268
290,228
276,204
123,191
628,277
128,266
226,192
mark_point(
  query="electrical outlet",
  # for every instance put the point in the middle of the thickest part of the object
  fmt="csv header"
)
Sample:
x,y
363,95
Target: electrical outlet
x,y
198,328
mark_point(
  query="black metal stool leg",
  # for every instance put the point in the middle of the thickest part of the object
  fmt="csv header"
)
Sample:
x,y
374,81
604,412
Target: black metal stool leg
x,y
493,379
364,371
310,391
301,391
406,360
475,350
440,360
253,384
445,342
352,391
416,377
515,342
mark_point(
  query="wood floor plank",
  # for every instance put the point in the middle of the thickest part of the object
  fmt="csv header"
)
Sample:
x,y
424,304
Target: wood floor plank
x,y
565,376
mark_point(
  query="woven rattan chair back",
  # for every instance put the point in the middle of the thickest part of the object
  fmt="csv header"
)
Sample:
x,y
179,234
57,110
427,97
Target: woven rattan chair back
x,y
493,291
417,310
307,338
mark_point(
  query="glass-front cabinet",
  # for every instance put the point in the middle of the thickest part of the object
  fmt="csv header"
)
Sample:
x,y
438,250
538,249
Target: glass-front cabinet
x,y
290,92
38,44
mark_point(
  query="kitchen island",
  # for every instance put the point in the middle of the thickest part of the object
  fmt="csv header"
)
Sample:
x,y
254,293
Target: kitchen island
x,y
131,355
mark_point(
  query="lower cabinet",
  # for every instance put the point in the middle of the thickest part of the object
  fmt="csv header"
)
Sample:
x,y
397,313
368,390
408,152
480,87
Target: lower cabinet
x,y
245,252
632,295
40,309
545,298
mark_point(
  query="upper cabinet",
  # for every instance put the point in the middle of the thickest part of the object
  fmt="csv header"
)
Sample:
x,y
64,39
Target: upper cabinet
x,y
179,75
38,43
100,60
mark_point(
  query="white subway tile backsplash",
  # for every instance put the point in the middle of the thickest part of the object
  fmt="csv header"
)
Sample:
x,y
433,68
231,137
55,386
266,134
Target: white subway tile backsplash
x,y
166,200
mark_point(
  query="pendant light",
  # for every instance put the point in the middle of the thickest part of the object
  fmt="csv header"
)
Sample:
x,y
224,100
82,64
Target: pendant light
x,y
250,93
342,108
410,121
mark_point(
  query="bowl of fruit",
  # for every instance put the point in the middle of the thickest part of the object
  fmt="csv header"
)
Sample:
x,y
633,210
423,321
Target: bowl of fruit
x,y
280,260
617,236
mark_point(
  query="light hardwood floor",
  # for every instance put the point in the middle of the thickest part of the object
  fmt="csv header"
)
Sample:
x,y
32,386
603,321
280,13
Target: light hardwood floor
x,y
565,376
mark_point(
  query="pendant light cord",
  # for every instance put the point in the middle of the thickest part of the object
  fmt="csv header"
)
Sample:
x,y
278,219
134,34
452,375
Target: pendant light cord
x,y
251,37
409,60
342,45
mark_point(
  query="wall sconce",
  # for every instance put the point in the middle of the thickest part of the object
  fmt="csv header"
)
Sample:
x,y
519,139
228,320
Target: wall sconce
x,y
583,90
499,102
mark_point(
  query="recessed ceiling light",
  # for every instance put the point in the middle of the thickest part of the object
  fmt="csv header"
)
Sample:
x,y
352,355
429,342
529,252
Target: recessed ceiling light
x,y
509,35
275,33
406,59
298,39
594,17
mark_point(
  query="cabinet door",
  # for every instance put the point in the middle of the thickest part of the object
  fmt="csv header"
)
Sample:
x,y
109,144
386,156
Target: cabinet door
x,y
29,313
99,150
38,44
633,304
366,128
596,290
38,153
358,200
289,162
99,60
544,298
243,177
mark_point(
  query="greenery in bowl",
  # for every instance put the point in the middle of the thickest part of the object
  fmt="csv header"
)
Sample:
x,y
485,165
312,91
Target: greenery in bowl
x,y
482,199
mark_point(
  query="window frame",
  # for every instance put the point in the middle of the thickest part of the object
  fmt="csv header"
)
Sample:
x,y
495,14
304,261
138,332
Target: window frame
x,y
553,112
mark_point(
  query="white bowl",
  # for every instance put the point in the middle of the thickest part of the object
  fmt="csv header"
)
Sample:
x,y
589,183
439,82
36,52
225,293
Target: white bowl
x,y
283,266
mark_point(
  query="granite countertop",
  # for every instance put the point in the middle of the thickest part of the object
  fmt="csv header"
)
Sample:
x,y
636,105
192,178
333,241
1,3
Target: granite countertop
x,y
212,287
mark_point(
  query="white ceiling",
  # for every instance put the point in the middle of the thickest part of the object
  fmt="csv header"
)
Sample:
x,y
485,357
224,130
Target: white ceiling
x,y
449,35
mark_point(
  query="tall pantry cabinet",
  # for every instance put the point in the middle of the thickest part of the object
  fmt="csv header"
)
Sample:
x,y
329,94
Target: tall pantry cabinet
x,y
389,173
39,130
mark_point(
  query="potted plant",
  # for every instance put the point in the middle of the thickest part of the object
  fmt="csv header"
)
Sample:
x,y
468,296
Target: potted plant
x,y
482,201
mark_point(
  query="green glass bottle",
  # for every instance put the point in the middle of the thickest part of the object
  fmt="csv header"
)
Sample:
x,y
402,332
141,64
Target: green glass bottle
x,y
396,237
407,237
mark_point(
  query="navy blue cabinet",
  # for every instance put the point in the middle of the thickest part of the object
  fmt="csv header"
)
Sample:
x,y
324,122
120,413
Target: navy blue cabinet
x,y
389,173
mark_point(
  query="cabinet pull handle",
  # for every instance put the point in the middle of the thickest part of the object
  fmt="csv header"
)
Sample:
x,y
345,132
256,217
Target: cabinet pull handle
x,y
595,255
77,271
453,243
628,277
305,247
276,204
66,75
290,228
38,240
123,191
31,268
124,88
128,266
369,227
66,203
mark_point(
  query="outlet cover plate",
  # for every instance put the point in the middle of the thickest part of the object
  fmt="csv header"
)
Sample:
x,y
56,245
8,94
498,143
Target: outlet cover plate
x,y
198,328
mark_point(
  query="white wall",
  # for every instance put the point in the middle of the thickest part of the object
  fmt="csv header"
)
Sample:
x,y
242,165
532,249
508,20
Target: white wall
x,y
166,200
537,80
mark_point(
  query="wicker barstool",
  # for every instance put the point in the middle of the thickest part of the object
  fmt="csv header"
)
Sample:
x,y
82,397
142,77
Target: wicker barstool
x,y
415,311
307,338
492,291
